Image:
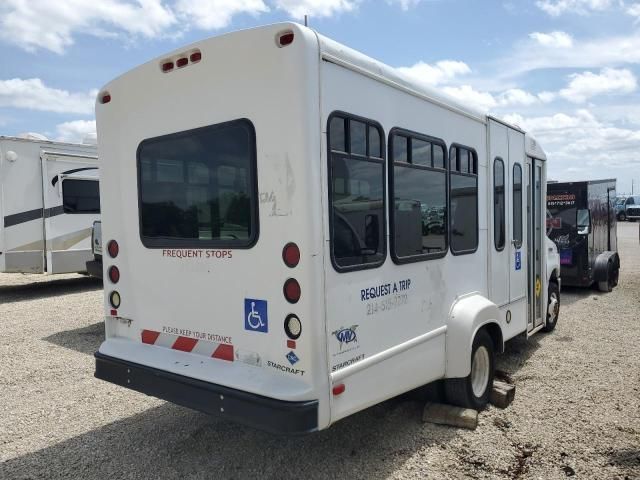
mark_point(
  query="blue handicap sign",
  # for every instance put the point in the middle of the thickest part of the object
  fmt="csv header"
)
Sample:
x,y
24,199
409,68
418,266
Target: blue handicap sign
x,y
518,260
255,315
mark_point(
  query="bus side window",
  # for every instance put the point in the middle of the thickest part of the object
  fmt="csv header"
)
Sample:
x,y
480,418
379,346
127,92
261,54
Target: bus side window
x,y
463,201
499,209
418,192
356,193
517,205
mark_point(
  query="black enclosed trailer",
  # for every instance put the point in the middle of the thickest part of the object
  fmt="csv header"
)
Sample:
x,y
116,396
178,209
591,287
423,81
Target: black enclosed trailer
x,y
581,220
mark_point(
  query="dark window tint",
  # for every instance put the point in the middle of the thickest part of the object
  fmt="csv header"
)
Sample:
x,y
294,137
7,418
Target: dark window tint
x,y
400,148
420,152
337,134
197,187
419,193
357,202
517,205
438,156
358,135
80,196
375,146
498,204
463,201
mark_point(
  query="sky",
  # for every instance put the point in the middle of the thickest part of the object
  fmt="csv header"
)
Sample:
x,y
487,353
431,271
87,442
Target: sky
x,y
564,70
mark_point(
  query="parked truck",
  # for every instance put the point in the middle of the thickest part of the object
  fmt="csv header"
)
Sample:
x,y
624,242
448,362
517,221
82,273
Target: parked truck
x,y
582,222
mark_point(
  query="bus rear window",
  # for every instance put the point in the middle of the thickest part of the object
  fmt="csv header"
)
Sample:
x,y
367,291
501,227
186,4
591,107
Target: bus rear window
x,y
198,188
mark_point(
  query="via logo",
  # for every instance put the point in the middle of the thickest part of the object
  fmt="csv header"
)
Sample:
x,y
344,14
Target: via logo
x,y
346,335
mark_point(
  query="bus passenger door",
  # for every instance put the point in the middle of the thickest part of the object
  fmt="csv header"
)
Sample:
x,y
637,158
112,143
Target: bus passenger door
x,y
535,218
517,227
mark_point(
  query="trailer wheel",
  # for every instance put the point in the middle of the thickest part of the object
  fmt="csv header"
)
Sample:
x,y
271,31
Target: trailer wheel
x,y
553,307
612,278
473,391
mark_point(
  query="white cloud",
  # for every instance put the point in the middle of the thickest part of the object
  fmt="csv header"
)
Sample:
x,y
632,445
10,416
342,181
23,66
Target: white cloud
x,y
583,86
634,10
443,71
51,25
33,94
556,8
315,8
516,96
553,39
580,146
216,14
404,4
75,131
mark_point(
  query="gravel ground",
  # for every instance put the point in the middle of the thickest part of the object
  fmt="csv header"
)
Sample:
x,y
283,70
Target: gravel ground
x,y
576,412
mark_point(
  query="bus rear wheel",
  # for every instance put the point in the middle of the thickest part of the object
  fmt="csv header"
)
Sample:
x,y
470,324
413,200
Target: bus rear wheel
x,y
474,390
553,307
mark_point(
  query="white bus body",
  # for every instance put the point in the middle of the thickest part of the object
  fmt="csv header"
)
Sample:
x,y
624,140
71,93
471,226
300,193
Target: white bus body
x,y
48,201
222,153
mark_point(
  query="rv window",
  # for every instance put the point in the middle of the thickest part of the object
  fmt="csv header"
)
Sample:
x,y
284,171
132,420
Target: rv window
x,y
463,202
517,205
419,192
356,197
198,188
80,196
498,204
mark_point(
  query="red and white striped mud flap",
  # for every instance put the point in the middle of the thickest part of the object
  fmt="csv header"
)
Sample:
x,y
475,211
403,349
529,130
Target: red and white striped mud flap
x,y
222,351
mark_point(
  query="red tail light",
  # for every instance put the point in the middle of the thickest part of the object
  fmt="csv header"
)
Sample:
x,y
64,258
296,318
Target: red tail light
x,y
339,389
291,255
167,66
181,62
292,290
113,248
114,274
195,57
285,38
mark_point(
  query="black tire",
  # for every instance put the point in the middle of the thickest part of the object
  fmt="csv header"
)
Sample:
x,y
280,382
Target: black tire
x,y
612,278
459,391
622,217
552,320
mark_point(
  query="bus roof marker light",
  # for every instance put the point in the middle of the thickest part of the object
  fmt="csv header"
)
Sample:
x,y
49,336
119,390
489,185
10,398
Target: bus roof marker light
x,y
167,66
285,38
182,62
195,57
105,98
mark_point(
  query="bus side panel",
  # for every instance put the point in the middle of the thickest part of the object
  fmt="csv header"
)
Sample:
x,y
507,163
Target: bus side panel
x,y
21,234
416,297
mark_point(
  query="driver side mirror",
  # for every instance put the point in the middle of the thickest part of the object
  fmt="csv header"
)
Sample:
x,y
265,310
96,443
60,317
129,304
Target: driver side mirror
x,y
583,221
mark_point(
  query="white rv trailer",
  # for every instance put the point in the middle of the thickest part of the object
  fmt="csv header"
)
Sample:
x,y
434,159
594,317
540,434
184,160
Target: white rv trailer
x,y
294,232
49,199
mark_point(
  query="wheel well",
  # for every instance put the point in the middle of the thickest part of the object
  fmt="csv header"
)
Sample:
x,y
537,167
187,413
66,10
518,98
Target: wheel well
x,y
495,332
554,276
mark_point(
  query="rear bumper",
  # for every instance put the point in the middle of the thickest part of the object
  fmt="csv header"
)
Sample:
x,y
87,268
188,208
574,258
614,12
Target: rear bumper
x,y
276,416
94,268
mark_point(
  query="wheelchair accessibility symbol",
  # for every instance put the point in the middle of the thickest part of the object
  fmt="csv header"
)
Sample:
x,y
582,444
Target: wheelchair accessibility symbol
x,y
255,315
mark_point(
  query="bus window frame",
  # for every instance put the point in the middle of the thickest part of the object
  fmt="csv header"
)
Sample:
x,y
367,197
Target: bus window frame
x,y
475,175
158,243
390,189
366,158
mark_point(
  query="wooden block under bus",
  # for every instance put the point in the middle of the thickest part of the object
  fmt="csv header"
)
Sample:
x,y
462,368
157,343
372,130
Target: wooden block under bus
x,y
449,415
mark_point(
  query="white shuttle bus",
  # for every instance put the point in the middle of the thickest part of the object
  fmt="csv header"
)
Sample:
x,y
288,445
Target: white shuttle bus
x,y
49,198
294,232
